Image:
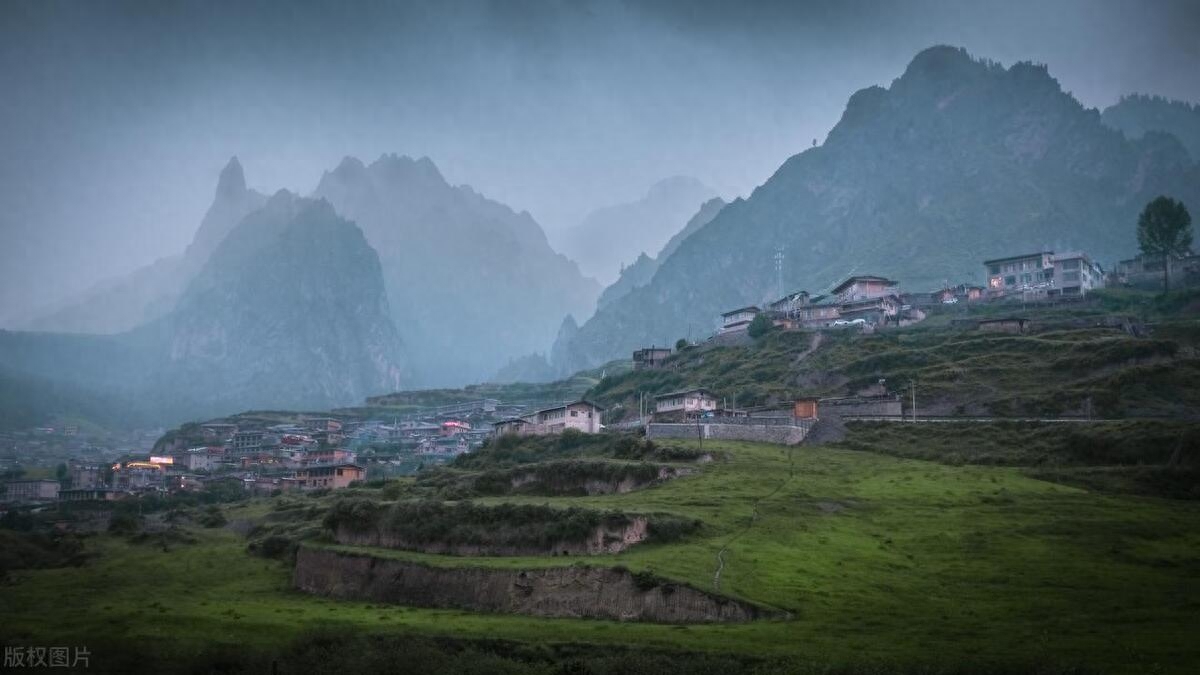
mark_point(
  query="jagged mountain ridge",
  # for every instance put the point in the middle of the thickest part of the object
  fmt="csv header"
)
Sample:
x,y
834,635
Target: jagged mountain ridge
x,y
613,236
149,292
641,271
471,283
1137,114
957,161
289,310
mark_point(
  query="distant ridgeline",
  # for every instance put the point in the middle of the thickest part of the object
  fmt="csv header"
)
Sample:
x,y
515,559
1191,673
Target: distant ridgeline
x,y
1136,115
288,303
957,161
288,311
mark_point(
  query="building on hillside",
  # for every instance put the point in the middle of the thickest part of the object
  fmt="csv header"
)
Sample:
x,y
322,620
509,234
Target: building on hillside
x,y
514,426
1012,324
1075,274
650,358
877,310
85,476
1145,271
1031,274
454,427
581,415
805,408
93,494
864,287
738,319
247,442
22,491
132,476
687,404
332,476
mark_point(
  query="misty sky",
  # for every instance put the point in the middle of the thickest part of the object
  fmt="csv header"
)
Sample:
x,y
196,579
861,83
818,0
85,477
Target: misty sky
x,y
115,117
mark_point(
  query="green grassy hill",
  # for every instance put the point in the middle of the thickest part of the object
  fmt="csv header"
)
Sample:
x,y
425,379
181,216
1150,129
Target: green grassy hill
x,y
1079,359
882,564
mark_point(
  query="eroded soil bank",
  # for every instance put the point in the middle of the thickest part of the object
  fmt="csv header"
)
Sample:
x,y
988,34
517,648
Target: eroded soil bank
x,y
571,592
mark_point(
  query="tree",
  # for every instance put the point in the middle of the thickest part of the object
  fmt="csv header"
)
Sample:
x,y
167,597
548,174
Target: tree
x,y
759,326
1165,229
681,344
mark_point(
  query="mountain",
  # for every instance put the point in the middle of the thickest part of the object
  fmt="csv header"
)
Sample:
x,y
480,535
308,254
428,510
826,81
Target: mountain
x,y
472,284
612,236
958,161
1136,114
149,292
289,311
641,271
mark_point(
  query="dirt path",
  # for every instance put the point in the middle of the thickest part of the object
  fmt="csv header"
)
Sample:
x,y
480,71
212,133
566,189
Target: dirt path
x,y
813,344
753,519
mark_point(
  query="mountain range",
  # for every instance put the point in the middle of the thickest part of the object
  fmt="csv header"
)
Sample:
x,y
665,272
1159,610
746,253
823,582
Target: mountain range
x,y
958,161
613,236
288,310
123,303
471,283
1136,114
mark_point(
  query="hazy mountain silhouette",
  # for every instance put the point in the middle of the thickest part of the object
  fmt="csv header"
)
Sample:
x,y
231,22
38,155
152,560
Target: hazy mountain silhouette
x,y
959,160
472,284
150,292
613,236
1137,114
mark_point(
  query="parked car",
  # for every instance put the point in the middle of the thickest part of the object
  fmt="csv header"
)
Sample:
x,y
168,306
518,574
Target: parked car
x,y
950,301
850,322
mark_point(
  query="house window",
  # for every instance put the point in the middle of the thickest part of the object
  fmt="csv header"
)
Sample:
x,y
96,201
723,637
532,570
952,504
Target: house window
x,y
1010,281
574,413
1070,264
1070,276
994,269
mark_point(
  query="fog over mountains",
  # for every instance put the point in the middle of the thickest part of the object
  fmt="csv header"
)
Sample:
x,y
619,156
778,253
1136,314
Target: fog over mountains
x,y
612,237
390,277
959,160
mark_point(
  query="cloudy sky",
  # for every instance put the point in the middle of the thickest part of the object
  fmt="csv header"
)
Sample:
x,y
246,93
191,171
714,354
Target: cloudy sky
x,y
115,117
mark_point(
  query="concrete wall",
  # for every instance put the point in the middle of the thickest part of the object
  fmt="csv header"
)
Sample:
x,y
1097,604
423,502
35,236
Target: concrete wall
x,y
860,407
784,434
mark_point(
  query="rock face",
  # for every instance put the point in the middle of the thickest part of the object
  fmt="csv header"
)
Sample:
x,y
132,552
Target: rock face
x,y
958,161
604,539
612,236
471,283
569,592
289,311
150,292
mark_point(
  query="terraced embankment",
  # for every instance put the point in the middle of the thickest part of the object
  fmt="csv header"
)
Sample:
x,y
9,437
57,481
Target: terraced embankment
x,y
577,591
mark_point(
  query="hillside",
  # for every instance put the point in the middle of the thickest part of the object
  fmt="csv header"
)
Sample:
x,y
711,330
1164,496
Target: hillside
x,y
960,568
471,283
1080,360
959,160
1136,115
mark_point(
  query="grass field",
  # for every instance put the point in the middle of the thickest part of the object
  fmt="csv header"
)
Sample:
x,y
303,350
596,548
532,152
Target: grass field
x,y
878,560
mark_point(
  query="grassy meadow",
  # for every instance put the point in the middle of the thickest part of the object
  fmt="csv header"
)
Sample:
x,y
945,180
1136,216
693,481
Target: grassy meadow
x,y
882,564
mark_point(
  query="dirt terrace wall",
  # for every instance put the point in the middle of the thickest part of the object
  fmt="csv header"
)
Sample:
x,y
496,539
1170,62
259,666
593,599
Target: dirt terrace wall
x,y
600,487
762,433
602,540
570,592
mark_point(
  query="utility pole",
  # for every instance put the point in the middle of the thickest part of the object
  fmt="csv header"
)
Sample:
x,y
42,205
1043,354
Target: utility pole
x,y
913,385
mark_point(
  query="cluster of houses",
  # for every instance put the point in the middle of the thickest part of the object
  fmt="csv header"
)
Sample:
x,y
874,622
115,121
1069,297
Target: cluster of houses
x,y
869,300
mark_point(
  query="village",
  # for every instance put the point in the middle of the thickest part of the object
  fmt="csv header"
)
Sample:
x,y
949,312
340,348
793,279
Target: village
x,y
334,451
